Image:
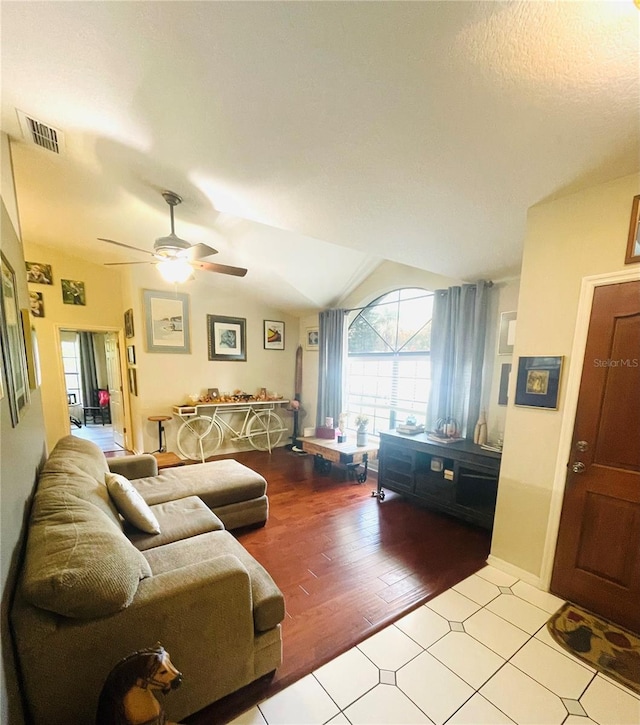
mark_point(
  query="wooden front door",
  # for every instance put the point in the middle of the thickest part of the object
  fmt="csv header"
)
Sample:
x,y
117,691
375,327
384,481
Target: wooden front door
x,y
597,562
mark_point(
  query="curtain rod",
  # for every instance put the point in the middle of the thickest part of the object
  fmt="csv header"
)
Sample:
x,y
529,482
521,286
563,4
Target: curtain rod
x,y
395,302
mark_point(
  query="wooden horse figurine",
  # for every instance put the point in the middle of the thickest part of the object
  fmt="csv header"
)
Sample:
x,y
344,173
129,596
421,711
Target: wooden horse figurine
x,y
127,695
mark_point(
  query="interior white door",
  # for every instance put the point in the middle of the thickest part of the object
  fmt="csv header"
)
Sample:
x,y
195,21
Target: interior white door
x,y
114,377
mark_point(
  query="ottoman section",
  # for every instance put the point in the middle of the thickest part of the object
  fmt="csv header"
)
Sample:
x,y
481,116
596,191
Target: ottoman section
x,y
178,520
234,492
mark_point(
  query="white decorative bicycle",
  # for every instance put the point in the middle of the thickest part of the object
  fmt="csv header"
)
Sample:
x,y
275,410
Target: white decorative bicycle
x,y
201,434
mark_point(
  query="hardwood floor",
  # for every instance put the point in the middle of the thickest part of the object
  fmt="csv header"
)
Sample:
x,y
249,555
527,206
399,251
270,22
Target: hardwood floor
x,y
347,565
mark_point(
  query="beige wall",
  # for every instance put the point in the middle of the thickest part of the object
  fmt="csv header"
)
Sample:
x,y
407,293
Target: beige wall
x,y
103,310
166,379
567,239
22,450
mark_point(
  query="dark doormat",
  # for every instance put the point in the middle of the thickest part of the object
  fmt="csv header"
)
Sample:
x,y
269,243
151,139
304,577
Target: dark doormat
x,y
611,649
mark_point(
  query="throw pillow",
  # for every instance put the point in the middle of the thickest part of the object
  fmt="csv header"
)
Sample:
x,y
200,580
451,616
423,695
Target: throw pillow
x,y
132,507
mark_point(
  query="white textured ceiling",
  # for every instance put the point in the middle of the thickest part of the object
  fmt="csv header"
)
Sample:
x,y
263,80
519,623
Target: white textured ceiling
x,y
310,140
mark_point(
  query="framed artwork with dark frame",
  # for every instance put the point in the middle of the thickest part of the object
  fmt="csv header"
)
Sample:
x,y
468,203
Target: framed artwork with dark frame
x,y
633,242
167,321
131,354
14,354
538,383
273,335
133,381
503,390
128,323
227,338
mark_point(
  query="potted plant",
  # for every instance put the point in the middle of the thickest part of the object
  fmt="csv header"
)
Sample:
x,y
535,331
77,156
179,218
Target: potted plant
x,y
361,424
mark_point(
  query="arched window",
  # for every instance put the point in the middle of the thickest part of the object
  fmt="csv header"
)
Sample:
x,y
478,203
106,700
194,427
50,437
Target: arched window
x,y
389,362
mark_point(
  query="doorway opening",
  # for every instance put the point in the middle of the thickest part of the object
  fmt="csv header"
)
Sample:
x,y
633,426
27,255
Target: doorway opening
x,y
89,382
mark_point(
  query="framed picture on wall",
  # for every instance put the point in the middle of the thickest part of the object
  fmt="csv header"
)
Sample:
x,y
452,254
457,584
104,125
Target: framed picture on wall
x,y
131,354
273,335
227,338
633,242
538,383
133,381
14,354
166,317
312,340
128,323
507,333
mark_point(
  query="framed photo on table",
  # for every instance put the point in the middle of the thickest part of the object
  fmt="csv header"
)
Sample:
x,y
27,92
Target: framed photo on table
x,y
227,338
273,335
538,383
167,321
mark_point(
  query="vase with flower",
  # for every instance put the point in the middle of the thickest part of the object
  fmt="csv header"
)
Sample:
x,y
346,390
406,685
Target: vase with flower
x,y
361,426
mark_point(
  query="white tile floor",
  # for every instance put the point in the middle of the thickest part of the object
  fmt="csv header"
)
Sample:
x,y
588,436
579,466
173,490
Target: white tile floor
x,y
478,654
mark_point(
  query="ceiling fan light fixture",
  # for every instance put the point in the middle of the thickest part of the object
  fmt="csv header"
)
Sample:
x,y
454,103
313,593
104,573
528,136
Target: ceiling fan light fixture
x,y
175,271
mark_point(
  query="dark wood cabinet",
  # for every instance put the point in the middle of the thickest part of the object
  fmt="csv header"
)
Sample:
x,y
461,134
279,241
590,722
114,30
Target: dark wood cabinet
x,y
458,478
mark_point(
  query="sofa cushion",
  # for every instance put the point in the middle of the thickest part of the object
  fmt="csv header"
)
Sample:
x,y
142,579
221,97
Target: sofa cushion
x,y
78,561
268,602
217,483
178,520
132,507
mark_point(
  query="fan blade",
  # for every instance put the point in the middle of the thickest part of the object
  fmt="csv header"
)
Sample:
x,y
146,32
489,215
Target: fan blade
x,y
221,268
198,251
118,264
126,246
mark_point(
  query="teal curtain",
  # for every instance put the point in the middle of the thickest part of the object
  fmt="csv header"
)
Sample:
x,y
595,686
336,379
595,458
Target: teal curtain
x,y
333,349
458,333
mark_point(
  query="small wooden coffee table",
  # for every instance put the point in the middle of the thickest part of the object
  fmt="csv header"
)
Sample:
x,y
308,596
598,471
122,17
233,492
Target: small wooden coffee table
x,y
350,455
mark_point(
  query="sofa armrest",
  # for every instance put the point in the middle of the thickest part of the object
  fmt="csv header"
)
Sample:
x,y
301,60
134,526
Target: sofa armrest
x,y
133,467
201,614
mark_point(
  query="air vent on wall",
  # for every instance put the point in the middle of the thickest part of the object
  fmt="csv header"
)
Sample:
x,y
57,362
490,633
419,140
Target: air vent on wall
x,y
41,134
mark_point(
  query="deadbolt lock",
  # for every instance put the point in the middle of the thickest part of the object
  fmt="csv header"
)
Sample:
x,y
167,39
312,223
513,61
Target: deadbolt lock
x,y
582,446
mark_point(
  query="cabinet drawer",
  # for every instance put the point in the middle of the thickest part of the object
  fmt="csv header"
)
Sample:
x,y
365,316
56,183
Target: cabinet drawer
x,y
435,485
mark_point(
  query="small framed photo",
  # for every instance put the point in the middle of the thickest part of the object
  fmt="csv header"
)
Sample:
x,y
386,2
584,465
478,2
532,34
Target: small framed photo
x,y
507,333
128,323
38,273
73,292
538,383
131,354
312,340
36,304
633,243
133,381
227,338
213,393
273,335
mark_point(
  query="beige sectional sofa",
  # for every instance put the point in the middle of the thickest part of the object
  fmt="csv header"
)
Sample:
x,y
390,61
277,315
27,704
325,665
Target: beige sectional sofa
x,y
93,588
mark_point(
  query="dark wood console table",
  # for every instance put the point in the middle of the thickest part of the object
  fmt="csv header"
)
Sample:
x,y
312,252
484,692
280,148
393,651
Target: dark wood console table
x,y
459,478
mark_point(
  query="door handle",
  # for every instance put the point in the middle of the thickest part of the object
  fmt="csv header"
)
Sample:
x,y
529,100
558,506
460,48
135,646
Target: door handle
x,y
578,467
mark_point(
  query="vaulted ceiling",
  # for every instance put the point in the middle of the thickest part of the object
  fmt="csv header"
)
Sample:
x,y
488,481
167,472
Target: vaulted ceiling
x,y
311,140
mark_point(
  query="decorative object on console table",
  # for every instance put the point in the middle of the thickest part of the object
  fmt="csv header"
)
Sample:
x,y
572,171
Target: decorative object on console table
x,y
538,383
480,432
226,338
633,243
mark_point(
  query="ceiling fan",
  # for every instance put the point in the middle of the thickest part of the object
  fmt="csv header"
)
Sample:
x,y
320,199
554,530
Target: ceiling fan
x,y
176,258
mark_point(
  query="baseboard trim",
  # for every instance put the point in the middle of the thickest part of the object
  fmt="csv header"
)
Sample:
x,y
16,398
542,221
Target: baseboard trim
x,y
508,568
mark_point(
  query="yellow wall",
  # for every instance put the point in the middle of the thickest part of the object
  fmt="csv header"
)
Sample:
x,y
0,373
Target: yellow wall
x,y
567,239
103,309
